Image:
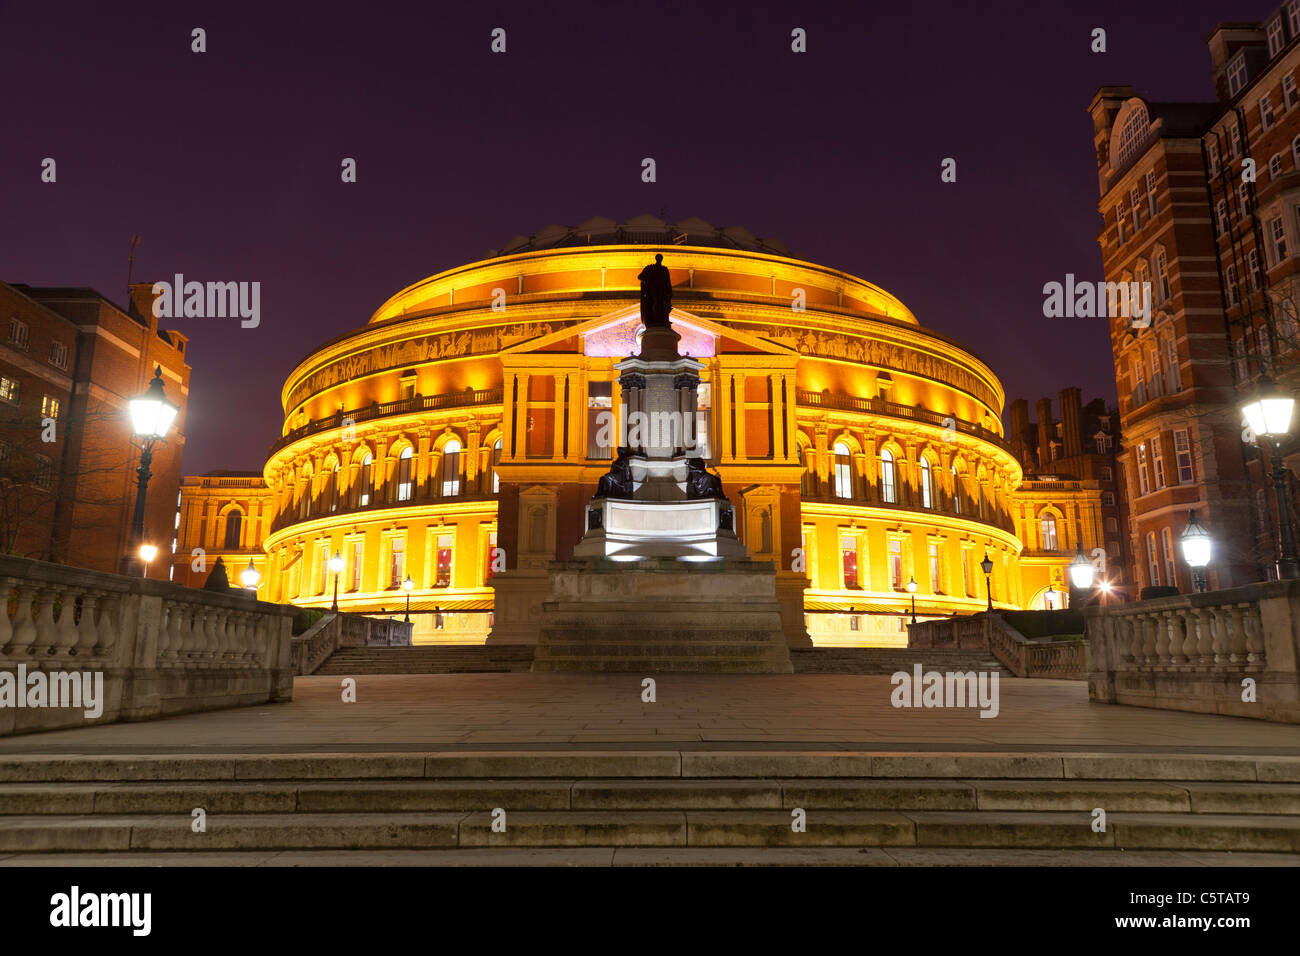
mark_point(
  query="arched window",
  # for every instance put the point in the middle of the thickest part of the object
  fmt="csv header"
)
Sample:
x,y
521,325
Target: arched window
x,y
404,462
887,493
333,496
364,483
1048,525
234,525
956,490
496,460
1132,134
451,469
927,484
304,496
843,472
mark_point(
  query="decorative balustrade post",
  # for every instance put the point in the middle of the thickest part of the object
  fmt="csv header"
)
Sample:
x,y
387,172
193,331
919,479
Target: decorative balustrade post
x,y
1178,637
87,632
65,631
1204,638
6,628
1160,623
1220,642
168,637
1255,652
1237,639
1148,655
46,629
209,650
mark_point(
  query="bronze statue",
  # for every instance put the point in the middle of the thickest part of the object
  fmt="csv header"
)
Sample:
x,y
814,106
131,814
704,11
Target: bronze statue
x,y
617,482
700,483
656,294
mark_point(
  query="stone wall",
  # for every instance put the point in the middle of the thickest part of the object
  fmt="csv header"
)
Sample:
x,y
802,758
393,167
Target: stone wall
x,y
152,647
1223,652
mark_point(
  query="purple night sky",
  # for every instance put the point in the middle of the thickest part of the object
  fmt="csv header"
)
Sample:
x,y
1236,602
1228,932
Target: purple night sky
x,y
227,163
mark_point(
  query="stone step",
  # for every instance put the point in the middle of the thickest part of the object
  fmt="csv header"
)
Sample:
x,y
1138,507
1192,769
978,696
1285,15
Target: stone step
x,y
1013,769
661,856
289,796
698,828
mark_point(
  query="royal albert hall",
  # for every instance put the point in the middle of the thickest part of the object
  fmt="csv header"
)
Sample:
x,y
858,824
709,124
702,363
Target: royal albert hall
x,y
456,438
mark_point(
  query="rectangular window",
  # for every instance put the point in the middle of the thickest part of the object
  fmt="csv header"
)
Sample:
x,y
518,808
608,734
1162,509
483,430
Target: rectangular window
x,y
44,476
1155,375
1234,134
1139,382
1171,363
1135,202
1289,95
1119,222
1167,551
1231,284
1183,455
965,570
896,564
1144,478
58,355
1252,270
396,562
1293,17
356,566
1158,460
9,389
323,562
365,483
1107,474
1162,277
1239,358
1265,112
1221,216
1276,39
444,562
18,333
1212,151
1277,239
936,586
1243,200
404,484
49,407
600,420
1275,166
1153,204
849,555
1108,499
1153,566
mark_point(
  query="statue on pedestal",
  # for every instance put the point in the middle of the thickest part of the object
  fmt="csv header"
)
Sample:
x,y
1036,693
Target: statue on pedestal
x,y
617,482
656,295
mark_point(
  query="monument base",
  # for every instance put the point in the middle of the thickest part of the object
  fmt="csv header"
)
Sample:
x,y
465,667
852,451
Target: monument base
x,y
662,615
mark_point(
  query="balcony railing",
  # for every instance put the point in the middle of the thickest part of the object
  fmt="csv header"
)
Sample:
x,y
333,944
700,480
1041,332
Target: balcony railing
x,y
881,406
405,406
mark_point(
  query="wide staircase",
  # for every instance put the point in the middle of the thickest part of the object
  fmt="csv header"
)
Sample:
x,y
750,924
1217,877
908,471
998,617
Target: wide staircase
x,y
651,807
428,659
499,658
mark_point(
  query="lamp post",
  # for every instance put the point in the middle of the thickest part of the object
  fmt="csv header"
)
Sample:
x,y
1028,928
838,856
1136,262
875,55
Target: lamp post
x,y
987,567
407,585
336,565
151,417
1269,416
911,589
250,576
1197,545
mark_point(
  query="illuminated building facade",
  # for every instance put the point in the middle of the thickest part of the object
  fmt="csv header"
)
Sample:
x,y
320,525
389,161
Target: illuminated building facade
x,y
457,437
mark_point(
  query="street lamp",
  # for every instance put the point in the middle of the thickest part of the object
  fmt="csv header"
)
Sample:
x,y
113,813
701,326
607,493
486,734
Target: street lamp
x,y
407,585
987,567
1081,570
250,576
1197,546
911,589
151,417
1269,416
336,565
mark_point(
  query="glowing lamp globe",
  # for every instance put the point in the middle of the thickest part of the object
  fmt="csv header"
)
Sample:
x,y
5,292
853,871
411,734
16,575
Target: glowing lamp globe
x,y
1081,570
1269,412
151,414
1196,542
336,563
250,576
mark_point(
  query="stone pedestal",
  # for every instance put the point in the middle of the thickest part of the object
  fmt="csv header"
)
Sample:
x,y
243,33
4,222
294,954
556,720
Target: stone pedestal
x,y
657,615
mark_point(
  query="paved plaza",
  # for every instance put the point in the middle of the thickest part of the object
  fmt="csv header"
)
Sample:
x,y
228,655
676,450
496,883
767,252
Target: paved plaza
x,y
577,711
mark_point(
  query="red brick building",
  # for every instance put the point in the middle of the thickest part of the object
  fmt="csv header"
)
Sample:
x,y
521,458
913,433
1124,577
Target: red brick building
x,y
1202,201
69,361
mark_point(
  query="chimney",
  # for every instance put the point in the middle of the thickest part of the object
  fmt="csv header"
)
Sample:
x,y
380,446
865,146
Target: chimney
x,y
1019,425
1072,422
1045,432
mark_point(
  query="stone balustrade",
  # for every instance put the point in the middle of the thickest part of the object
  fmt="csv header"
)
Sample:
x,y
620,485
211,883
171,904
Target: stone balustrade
x,y
1222,652
158,648
334,630
1062,660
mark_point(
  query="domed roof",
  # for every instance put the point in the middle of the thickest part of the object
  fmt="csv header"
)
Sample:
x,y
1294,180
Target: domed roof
x,y
642,230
